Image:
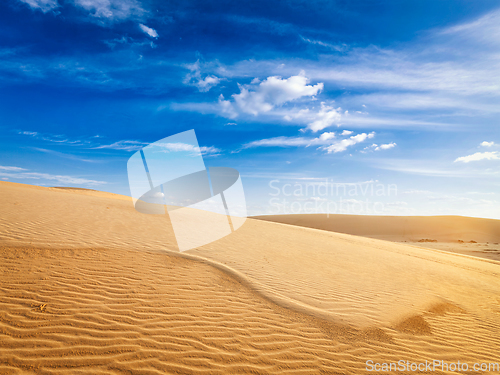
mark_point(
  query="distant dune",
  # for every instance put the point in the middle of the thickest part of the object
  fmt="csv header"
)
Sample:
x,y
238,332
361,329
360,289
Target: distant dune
x,y
399,228
458,234
89,285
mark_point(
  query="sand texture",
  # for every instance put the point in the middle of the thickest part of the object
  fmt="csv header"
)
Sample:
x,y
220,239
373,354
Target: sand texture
x,y
90,286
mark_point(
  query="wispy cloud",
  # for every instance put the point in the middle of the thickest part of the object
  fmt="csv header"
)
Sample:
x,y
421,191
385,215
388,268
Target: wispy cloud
x,y
453,70
64,155
132,145
102,11
326,142
432,168
13,169
281,142
124,145
112,10
178,146
334,47
55,138
21,174
42,5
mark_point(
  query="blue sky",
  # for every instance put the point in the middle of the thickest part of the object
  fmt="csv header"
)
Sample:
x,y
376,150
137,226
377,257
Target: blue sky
x,y
399,97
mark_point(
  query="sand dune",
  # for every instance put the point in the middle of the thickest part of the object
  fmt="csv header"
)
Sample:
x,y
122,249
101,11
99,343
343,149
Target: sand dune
x,y
463,235
399,228
88,285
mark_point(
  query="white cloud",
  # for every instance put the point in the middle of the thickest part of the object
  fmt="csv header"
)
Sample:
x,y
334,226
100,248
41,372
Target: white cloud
x,y
484,30
112,10
385,147
42,5
178,146
429,168
338,48
16,169
346,132
207,83
125,145
494,155
28,133
260,98
19,173
487,144
455,69
325,117
316,120
195,78
280,142
326,136
376,147
326,141
348,142
148,30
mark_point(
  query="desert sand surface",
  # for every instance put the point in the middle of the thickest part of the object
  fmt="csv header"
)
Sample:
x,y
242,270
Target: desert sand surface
x,y
464,235
90,286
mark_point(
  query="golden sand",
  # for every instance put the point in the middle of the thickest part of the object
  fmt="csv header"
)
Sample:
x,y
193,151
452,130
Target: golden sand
x,y
90,286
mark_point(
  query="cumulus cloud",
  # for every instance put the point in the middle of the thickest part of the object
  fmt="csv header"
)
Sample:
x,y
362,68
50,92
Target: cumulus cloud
x,y
148,30
42,5
326,136
487,144
262,97
196,78
386,146
494,155
325,117
346,132
317,119
343,144
376,147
